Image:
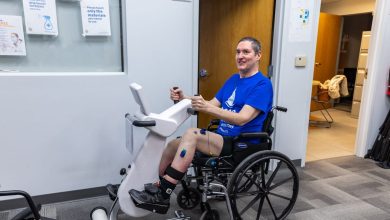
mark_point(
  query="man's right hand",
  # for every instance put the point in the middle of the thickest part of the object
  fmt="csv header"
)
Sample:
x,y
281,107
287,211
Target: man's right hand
x,y
176,94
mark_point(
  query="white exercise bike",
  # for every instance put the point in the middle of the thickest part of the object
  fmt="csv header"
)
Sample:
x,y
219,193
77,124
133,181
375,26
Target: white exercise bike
x,y
144,168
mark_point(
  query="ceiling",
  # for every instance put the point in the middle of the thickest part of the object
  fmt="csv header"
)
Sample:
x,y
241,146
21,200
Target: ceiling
x,y
328,1
347,7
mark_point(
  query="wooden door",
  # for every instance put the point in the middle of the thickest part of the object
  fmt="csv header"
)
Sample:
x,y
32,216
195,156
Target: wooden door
x,y
328,41
222,24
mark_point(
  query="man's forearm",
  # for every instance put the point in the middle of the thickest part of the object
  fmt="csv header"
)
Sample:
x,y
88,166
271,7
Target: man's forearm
x,y
228,116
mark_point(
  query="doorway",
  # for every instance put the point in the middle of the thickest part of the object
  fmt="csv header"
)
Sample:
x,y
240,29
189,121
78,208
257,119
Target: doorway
x,y
333,119
222,23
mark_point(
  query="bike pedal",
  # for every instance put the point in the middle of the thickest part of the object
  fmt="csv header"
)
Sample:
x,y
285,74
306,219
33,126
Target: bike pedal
x,y
112,191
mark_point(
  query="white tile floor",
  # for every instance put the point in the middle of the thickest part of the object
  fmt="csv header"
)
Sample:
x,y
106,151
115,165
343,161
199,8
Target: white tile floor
x,y
336,141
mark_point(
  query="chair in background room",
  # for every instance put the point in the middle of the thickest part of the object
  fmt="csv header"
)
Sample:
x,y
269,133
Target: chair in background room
x,y
324,94
322,99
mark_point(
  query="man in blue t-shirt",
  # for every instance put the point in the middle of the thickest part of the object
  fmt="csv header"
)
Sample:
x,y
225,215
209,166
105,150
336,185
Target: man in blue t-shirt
x,y
242,105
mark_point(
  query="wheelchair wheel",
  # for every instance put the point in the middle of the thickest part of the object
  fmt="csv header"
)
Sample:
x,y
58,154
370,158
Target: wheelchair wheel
x,y
211,214
188,199
256,192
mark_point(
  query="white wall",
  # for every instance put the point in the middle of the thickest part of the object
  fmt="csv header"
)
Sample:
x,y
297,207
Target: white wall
x,y
161,50
375,104
348,7
292,84
61,133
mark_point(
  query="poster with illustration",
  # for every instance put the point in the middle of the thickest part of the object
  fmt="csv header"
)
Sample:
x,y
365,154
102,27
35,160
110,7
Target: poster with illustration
x,y
301,21
95,15
40,17
12,36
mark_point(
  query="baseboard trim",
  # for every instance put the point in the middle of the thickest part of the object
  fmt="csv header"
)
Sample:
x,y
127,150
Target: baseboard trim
x,y
53,198
68,196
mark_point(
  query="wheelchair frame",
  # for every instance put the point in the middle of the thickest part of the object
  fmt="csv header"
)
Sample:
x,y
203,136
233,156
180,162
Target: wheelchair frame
x,y
219,177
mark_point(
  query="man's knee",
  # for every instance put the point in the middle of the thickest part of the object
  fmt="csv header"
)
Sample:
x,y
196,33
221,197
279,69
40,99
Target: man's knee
x,y
192,134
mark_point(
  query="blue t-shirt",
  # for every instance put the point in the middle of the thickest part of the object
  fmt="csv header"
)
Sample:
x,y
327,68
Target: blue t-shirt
x,y
255,91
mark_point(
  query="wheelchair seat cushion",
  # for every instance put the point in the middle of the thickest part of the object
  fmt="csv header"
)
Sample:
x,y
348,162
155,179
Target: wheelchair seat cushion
x,y
227,148
239,151
230,145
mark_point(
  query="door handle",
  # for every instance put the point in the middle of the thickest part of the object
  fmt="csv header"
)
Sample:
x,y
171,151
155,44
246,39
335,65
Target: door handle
x,y
317,64
203,73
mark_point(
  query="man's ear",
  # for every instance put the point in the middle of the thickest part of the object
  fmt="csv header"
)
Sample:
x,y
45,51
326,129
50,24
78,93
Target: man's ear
x,y
258,56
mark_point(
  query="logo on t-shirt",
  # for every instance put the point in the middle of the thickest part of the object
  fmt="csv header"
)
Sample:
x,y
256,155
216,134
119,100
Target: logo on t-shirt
x,y
230,101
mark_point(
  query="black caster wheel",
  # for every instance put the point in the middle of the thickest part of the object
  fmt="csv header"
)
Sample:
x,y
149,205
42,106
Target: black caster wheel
x,y
188,199
211,214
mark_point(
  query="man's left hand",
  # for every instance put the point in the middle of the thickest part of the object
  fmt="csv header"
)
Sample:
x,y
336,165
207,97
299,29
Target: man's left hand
x,y
199,104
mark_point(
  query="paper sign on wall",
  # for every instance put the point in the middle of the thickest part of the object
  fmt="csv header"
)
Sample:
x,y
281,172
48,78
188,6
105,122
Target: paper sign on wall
x,y
301,22
12,36
95,15
40,17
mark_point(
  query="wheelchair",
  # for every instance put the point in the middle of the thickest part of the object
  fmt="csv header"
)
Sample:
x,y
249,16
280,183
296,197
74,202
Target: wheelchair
x,y
255,182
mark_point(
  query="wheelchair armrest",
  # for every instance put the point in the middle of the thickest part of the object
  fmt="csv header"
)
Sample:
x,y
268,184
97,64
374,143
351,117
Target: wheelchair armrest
x,y
213,124
260,135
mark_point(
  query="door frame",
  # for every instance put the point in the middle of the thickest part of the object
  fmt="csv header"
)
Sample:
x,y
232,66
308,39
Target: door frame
x,y
366,110
195,56
364,139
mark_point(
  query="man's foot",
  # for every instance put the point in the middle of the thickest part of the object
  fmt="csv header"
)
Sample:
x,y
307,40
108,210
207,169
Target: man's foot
x,y
156,197
154,202
152,188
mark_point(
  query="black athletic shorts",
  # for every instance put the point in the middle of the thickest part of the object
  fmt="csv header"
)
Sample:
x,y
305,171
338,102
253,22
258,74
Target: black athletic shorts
x,y
227,148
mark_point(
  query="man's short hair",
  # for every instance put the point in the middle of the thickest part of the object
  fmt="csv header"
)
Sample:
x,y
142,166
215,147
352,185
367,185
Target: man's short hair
x,y
256,45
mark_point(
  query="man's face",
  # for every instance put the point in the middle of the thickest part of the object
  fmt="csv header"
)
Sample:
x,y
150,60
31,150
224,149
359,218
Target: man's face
x,y
246,59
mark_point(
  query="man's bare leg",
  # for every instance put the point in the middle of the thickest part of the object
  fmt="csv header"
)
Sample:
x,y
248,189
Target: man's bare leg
x,y
168,155
208,143
157,199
